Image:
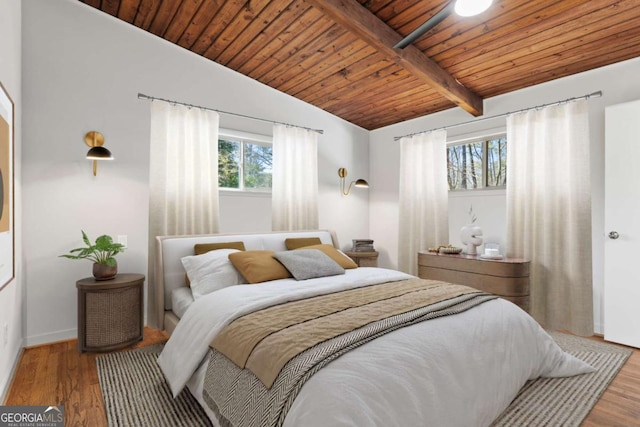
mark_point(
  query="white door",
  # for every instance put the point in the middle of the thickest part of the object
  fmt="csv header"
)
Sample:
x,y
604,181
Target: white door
x,y
622,224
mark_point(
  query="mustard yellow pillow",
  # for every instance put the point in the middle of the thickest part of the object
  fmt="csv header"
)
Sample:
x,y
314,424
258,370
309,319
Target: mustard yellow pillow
x,y
301,242
342,260
258,266
202,248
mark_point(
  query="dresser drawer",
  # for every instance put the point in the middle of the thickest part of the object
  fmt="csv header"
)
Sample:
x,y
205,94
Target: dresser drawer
x,y
507,278
508,267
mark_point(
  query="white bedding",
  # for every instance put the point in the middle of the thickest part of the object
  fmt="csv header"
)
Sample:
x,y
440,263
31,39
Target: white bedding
x,y
460,370
181,300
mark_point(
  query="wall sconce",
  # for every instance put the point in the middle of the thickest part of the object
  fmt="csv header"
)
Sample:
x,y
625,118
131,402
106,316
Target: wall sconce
x,y
95,139
361,183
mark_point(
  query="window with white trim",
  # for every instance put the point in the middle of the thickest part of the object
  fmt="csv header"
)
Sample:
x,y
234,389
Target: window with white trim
x,y
244,161
477,164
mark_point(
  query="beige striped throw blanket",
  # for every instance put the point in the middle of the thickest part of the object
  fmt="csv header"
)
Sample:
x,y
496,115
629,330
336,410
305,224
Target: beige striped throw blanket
x,y
260,360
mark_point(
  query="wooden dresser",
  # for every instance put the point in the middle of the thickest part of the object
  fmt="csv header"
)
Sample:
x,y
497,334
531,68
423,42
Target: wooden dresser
x,y
507,278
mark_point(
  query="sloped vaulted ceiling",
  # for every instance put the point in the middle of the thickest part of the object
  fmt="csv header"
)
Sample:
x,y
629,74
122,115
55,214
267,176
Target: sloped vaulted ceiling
x,y
338,54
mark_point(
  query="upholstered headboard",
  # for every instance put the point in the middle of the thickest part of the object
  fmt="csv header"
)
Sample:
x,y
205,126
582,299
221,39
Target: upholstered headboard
x,y
170,274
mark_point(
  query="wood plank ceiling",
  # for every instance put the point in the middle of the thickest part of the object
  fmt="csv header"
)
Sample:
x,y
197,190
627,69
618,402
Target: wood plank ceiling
x,y
346,64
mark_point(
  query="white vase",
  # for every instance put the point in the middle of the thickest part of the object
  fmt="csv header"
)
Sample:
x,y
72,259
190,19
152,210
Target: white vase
x,y
471,236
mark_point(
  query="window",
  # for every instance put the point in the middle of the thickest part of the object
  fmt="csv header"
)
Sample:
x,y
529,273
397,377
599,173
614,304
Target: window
x,y
478,164
244,161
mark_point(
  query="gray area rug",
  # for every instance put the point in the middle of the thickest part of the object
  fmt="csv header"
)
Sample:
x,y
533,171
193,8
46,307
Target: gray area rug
x,y
565,402
136,394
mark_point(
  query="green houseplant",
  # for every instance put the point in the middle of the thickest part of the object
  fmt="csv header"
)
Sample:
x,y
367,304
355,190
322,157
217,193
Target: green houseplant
x,y
102,253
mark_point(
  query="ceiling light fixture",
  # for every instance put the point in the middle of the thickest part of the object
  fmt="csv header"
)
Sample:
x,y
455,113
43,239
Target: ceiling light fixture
x,y
462,7
471,7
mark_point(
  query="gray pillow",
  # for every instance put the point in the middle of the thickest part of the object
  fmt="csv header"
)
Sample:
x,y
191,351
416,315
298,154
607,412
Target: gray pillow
x,y
308,263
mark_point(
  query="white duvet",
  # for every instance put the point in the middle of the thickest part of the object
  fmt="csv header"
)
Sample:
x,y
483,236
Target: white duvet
x,y
460,370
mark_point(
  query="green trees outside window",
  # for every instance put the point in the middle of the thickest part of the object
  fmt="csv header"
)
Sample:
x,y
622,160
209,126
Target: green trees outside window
x,y
244,165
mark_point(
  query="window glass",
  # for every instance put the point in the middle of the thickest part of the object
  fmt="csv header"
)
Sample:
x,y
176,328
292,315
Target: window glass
x,y
257,166
464,166
477,164
244,163
229,163
497,162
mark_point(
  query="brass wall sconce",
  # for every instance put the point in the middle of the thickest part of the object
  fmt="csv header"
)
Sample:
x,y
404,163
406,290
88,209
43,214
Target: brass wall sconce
x,y
360,183
95,140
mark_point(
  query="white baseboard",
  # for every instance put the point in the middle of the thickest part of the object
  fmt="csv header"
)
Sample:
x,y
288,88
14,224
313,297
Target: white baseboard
x,y
51,337
598,328
16,361
30,342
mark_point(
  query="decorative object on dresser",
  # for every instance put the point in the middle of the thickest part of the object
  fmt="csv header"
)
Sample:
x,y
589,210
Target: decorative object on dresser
x,y
446,249
491,251
507,278
110,313
102,253
471,234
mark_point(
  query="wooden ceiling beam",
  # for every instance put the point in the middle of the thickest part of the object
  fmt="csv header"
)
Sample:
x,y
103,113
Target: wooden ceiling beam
x,y
358,20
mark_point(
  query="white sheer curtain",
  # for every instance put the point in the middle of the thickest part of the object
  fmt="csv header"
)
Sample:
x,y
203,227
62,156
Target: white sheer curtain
x,y
183,175
295,179
424,202
549,211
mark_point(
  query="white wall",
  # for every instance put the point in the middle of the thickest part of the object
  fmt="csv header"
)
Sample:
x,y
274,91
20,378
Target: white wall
x,y
490,209
619,83
11,296
83,70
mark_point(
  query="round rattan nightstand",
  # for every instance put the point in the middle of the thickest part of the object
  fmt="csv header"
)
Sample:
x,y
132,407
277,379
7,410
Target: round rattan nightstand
x,y
110,312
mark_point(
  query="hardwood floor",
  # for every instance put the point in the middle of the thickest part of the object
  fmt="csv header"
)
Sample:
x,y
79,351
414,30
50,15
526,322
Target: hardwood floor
x,y
57,374
619,406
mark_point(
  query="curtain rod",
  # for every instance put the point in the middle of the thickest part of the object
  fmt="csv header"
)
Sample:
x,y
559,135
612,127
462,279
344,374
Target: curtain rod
x,y
153,98
597,94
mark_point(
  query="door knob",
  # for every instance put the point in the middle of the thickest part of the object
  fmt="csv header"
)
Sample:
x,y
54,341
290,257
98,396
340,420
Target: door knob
x,y
613,235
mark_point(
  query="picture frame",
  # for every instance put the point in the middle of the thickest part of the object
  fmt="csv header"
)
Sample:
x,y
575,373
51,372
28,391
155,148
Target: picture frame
x,y
7,198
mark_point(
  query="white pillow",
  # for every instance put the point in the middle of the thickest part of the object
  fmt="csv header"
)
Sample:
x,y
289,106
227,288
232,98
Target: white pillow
x,y
211,271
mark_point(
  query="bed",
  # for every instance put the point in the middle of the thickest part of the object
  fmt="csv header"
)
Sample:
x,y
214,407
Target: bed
x,y
447,356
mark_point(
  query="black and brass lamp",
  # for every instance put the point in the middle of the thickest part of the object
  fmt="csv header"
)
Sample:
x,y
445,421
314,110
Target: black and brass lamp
x,y
361,183
95,140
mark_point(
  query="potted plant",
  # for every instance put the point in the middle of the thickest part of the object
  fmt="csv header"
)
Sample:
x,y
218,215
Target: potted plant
x,y
102,253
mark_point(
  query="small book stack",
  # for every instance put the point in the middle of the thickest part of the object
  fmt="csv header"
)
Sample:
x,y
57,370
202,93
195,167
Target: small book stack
x,y
362,245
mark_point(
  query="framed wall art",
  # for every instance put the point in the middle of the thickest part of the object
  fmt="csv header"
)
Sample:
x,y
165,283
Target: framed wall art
x,y
7,238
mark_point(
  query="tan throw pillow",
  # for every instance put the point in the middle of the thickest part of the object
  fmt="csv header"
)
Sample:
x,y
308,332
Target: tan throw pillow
x,y
201,248
301,242
342,260
258,266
